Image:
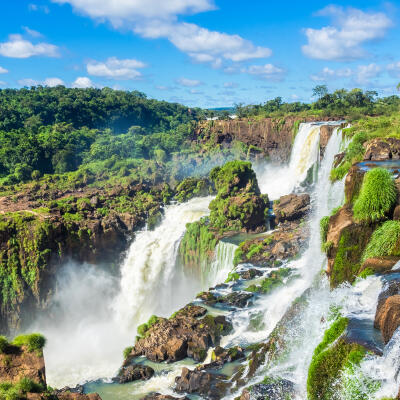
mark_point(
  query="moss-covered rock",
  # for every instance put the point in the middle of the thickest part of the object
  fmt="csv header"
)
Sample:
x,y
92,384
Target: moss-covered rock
x,y
193,187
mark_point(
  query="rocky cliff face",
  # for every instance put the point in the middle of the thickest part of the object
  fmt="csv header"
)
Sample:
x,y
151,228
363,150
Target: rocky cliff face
x,y
270,137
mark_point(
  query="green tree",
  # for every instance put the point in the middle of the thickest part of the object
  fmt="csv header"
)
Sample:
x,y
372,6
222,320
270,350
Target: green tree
x,y
320,91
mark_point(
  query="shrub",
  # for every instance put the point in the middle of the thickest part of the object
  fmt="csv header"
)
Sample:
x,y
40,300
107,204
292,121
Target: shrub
x,y
384,241
377,195
33,342
127,351
323,225
3,343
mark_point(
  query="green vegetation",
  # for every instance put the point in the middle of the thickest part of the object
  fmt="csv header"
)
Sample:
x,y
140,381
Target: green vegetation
x,y
332,356
377,196
19,390
33,341
3,343
192,187
232,276
142,329
365,129
127,351
385,241
274,280
324,224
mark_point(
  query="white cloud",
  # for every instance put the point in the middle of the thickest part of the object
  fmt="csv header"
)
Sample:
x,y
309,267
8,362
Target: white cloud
x,y
82,82
32,32
35,7
113,68
230,85
344,39
267,71
394,69
365,73
328,74
52,82
28,82
2,83
159,19
3,70
17,47
188,82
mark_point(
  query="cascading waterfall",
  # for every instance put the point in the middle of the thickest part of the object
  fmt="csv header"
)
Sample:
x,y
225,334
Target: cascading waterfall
x,y
222,263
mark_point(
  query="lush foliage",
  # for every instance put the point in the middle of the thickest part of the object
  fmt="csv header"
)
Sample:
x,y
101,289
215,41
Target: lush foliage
x,y
377,196
274,280
192,187
385,241
142,329
33,341
19,390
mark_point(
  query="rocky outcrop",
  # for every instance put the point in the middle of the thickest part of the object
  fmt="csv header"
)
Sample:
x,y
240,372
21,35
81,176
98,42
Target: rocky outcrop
x,y
273,137
210,385
159,396
353,182
347,240
234,299
382,149
378,264
278,389
181,336
291,207
17,363
63,396
134,372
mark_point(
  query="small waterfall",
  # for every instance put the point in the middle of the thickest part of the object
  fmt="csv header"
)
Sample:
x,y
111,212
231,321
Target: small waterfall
x,y
150,283
280,180
222,263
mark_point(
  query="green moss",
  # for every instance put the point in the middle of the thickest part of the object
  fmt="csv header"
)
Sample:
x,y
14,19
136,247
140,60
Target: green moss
x,y
192,187
143,328
19,390
232,276
326,246
33,341
127,352
338,173
324,225
366,272
377,196
254,249
274,280
332,356
3,343
385,241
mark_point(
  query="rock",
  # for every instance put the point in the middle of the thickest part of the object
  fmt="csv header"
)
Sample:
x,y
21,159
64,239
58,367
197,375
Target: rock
x,y
348,240
210,385
17,363
387,317
338,159
379,264
324,136
159,396
396,213
291,207
234,299
250,274
181,336
133,373
94,201
382,149
64,396
222,356
277,389
353,182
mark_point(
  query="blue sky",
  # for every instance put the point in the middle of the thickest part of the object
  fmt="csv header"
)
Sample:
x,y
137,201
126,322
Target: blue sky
x,y
206,53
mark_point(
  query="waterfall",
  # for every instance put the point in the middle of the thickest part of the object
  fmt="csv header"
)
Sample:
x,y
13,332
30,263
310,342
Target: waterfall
x,y
280,180
150,283
222,263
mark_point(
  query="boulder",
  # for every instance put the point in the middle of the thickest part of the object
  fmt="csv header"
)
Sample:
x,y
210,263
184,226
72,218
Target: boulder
x,y
276,389
379,264
382,149
291,207
159,396
209,385
181,336
353,182
133,373
387,317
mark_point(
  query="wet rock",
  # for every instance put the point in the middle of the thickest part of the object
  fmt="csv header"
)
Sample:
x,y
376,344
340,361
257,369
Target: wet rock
x,y
396,213
183,335
379,264
133,373
210,385
387,317
353,182
221,355
77,396
382,149
159,396
250,274
234,299
291,207
276,389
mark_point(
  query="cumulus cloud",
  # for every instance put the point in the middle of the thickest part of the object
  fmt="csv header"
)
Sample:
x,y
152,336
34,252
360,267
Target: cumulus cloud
x,y
159,19
268,71
113,68
52,82
188,82
18,47
82,82
361,75
3,70
343,40
328,74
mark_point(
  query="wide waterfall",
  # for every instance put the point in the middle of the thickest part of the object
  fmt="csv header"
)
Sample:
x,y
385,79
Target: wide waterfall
x,y
152,282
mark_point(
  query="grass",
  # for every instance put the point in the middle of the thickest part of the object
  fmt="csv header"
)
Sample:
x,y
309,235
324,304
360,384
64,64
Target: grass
x,y
33,341
377,196
19,390
384,241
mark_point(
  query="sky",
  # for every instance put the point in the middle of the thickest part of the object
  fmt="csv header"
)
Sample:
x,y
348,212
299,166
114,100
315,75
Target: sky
x,y
206,53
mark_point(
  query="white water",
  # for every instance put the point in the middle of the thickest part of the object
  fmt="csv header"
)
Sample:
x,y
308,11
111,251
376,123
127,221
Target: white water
x,y
90,348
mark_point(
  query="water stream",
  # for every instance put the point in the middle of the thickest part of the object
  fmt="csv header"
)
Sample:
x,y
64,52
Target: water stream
x,y
102,320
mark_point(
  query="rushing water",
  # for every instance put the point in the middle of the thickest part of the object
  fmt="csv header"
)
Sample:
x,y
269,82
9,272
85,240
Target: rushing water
x,y
90,346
